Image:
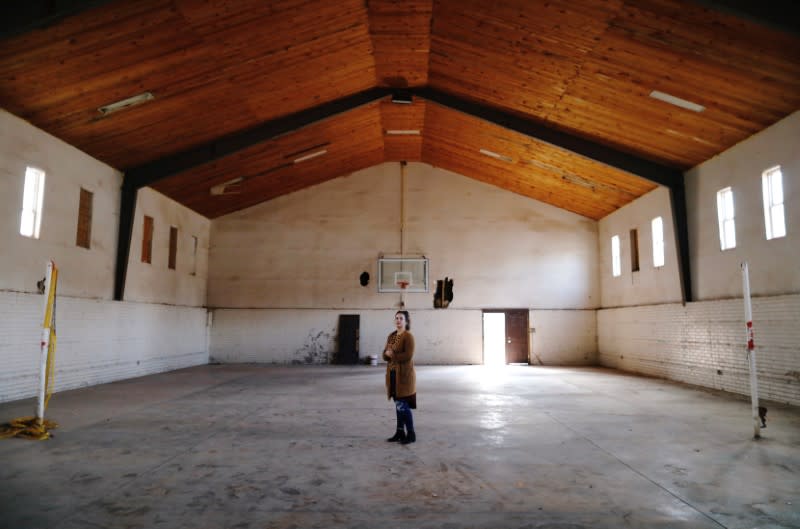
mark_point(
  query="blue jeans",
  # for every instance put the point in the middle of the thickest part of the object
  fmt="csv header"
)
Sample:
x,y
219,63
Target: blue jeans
x,y
404,417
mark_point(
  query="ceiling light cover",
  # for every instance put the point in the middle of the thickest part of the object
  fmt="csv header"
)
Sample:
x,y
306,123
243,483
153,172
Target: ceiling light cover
x,y
402,132
310,156
677,101
126,103
496,156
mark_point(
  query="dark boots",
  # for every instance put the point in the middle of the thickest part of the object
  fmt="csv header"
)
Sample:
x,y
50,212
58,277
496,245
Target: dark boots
x,y
398,437
405,421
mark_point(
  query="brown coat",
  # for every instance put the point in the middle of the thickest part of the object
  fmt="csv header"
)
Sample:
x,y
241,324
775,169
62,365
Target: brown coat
x,y
402,363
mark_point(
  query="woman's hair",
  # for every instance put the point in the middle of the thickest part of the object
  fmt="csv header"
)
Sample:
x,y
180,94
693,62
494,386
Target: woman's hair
x,y
407,316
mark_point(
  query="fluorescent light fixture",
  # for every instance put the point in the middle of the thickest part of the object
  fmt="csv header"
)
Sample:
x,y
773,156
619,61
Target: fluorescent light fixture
x,y
310,156
578,180
677,101
126,103
402,97
402,132
225,187
496,156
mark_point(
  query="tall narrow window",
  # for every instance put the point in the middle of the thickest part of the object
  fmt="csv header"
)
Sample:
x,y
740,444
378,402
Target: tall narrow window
x,y
772,187
615,262
657,226
84,235
147,240
634,251
173,246
32,201
727,227
194,255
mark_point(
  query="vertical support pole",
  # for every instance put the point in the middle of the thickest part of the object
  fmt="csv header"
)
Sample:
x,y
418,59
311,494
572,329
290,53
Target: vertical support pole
x,y
677,195
44,345
402,222
127,209
751,352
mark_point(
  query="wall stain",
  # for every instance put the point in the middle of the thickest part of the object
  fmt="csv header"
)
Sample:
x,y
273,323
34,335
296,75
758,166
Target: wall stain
x,y
313,350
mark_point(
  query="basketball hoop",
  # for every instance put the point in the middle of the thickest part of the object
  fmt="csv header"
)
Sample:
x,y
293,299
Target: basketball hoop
x,y
402,280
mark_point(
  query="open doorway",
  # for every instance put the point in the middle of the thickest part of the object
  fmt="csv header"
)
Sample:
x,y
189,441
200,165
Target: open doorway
x,y
494,338
505,337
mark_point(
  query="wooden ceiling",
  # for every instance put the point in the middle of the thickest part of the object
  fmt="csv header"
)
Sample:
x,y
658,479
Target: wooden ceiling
x,y
584,68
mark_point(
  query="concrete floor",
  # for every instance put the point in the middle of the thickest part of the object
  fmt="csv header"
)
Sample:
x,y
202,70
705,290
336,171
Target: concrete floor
x,y
299,447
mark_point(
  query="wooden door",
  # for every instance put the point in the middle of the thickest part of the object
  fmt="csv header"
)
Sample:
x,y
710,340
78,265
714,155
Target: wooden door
x,y
516,336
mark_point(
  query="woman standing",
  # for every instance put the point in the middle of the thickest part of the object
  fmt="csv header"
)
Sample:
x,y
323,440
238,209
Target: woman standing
x,y
401,380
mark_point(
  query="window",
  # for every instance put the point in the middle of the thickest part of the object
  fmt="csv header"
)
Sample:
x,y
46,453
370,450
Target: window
x,y
147,240
657,225
615,263
194,255
32,201
634,251
727,227
772,187
173,246
84,236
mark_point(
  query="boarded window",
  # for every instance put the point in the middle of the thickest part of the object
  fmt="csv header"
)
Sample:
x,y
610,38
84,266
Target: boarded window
x,y
634,251
147,240
84,235
173,246
194,255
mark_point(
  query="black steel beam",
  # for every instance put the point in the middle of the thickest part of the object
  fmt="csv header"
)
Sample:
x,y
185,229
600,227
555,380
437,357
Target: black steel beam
x,y
775,14
152,172
21,16
657,173
649,170
677,198
149,173
127,209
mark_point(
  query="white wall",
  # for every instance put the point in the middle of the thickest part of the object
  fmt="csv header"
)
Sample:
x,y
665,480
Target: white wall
x,y
98,340
155,282
774,264
86,273
649,284
306,251
703,343
309,336
563,337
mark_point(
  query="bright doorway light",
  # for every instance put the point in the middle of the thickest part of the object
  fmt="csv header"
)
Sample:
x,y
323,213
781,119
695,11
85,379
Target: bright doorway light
x,y
494,338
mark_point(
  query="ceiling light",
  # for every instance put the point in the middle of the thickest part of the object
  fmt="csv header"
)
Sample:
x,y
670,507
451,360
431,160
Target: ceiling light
x,y
227,188
126,103
310,156
402,132
579,180
402,97
493,154
677,101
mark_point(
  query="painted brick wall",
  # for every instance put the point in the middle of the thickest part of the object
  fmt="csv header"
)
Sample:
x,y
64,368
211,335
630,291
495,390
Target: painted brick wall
x,y
452,336
98,341
703,344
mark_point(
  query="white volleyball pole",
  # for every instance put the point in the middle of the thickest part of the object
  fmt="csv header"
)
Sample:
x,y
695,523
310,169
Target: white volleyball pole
x,y
44,345
751,351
